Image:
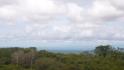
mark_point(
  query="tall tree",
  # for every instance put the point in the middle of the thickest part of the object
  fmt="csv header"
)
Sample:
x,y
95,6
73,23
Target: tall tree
x,y
103,50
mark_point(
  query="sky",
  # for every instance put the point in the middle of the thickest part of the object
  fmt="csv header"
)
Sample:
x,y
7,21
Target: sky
x,y
58,24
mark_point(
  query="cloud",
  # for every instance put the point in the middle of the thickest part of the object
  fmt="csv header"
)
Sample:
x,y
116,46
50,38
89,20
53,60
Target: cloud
x,y
103,10
62,19
39,10
118,4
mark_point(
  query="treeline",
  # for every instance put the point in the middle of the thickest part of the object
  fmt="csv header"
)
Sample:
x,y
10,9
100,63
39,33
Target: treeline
x,y
104,57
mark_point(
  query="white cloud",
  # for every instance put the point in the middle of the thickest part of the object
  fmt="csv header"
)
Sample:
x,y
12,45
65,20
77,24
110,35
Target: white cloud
x,y
7,12
104,10
39,10
118,4
75,11
62,19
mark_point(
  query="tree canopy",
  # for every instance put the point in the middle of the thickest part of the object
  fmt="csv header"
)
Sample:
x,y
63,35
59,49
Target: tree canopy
x,y
105,57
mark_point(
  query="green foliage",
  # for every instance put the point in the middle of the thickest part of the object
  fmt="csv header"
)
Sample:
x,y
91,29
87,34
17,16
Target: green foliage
x,y
103,50
104,58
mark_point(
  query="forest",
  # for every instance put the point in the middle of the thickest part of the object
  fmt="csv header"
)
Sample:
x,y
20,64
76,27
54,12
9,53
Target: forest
x,y
103,57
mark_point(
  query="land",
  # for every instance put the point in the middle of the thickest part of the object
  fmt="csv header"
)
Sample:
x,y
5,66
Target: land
x,y
103,57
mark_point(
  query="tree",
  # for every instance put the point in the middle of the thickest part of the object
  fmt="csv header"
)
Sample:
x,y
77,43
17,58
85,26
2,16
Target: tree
x,y
24,57
103,50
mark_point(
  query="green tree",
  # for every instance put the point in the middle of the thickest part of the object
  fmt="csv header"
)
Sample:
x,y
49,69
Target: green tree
x,y
103,50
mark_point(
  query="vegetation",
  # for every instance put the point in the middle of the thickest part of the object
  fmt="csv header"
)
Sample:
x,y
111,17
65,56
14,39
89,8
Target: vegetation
x,y
104,57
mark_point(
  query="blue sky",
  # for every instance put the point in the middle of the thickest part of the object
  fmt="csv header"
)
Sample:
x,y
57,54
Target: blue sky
x,y
61,24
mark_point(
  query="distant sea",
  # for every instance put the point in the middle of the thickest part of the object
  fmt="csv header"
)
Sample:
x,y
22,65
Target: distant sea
x,y
63,46
66,51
